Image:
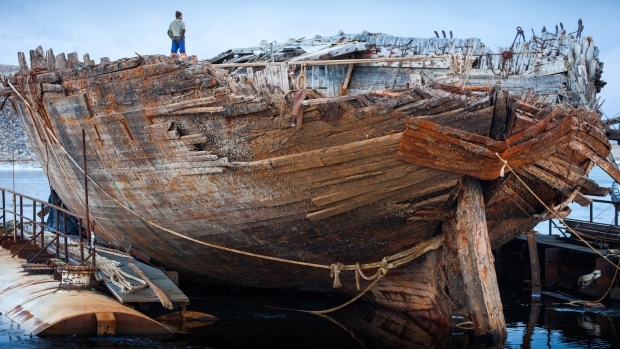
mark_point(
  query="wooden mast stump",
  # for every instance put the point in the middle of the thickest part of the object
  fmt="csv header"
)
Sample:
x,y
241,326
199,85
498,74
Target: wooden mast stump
x,y
467,237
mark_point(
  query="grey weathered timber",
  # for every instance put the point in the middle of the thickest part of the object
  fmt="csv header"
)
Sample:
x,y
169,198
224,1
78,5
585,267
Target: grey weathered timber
x,y
61,62
23,65
571,62
51,60
73,60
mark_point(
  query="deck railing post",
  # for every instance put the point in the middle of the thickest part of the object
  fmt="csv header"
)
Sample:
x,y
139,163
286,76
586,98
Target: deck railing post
x,y
57,242
42,224
21,217
64,233
66,249
81,242
591,211
34,221
3,209
14,212
616,213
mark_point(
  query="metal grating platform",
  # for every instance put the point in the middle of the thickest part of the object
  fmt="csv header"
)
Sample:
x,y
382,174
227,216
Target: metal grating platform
x,y
145,295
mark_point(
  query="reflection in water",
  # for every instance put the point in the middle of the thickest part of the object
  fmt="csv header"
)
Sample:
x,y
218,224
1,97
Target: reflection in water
x,y
531,323
564,326
588,324
250,319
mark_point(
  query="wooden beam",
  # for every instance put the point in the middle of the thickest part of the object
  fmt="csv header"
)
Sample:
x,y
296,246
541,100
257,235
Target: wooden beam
x,y
106,324
329,100
500,116
468,238
332,52
430,61
597,159
431,215
534,265
345,85
161,295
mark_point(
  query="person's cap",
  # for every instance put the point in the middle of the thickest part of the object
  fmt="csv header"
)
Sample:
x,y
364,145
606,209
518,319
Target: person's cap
x,y
179,14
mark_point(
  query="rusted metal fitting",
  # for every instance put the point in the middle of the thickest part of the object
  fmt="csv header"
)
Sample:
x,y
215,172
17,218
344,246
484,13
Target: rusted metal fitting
x,y
507,54
76,276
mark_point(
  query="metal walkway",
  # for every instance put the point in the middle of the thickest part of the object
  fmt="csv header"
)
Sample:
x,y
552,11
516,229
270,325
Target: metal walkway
x,y
557,241
145,295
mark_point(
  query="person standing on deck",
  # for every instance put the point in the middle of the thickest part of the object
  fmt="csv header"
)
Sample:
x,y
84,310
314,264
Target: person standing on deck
x,y
176,32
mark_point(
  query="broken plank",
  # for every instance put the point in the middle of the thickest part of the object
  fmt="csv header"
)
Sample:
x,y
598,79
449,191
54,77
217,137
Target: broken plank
x,y
329,100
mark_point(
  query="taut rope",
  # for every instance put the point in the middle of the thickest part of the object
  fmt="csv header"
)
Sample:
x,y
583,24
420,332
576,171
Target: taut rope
x,y
554,213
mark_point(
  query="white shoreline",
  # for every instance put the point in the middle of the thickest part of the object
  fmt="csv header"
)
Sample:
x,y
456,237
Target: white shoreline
x,y
19,165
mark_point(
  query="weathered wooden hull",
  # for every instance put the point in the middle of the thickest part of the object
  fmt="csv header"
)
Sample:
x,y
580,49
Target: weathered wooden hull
x,y
200,168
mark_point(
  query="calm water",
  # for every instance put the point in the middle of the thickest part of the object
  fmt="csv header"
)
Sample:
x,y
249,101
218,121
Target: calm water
x,y
249,319
27,181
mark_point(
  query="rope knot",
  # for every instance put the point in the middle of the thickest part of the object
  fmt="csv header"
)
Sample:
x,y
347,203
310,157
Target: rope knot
x,y
501,172
336,268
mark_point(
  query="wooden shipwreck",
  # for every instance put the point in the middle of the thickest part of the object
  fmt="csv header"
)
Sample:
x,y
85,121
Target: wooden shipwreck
x,y
378,164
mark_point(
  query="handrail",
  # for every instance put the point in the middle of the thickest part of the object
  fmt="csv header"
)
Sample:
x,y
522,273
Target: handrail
x,y
17,211
616,205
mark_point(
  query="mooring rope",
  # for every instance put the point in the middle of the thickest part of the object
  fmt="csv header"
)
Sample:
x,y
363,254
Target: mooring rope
x,y
114,274
554,213
461,65
598,302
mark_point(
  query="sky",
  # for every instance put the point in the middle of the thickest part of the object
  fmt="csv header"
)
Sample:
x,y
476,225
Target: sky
x,y
119,29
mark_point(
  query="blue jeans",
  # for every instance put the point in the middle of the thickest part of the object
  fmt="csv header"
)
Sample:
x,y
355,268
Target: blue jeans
x,y
178,45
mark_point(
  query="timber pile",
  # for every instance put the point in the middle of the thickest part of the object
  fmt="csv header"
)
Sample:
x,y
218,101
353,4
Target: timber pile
x,y
555,65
